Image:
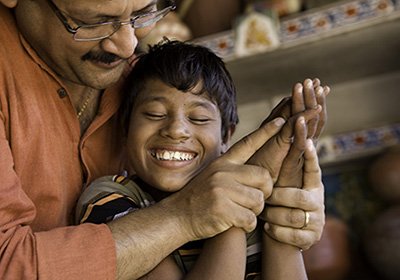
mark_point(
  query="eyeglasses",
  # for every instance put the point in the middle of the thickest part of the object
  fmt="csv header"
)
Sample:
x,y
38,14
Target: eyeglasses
x,y
102,30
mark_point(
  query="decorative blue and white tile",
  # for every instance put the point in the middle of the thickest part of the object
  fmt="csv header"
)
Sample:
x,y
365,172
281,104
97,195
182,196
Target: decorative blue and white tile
x,y
340,15
223,44
331,19
358,143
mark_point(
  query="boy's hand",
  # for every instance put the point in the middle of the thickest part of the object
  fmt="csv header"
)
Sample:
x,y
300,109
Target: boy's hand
x,y
304,96
275,150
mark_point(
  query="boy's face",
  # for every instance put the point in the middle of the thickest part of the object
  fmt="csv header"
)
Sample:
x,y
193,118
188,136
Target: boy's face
x,y
173,135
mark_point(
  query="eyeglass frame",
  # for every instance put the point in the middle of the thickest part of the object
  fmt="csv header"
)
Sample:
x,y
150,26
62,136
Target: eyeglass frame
x,y
63,18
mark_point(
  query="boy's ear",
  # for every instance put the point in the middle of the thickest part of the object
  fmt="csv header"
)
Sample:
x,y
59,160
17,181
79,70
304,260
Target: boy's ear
x,y
9,3
227,139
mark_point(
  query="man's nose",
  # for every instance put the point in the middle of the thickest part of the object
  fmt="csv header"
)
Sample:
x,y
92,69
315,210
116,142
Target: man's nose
x,y
122,43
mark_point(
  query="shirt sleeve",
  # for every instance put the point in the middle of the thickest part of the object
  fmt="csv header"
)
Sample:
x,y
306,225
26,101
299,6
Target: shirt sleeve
x,y
109,198
74,252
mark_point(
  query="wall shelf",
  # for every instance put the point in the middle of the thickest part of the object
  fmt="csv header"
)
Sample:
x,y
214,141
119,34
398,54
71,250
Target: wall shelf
x,y
362,66
340,58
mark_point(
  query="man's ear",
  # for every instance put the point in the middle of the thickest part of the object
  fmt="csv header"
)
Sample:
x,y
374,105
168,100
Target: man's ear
x,y
9,3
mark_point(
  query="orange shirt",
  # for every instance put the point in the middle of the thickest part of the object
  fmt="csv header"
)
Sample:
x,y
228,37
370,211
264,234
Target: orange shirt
x,y
43,165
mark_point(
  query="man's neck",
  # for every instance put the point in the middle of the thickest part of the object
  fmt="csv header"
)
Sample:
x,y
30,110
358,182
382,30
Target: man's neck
x,y
86,102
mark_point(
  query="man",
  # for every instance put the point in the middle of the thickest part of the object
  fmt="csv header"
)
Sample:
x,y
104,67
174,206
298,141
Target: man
x,y
61,64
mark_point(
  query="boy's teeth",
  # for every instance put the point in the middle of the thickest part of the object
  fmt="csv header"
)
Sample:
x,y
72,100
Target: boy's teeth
x,y
172,155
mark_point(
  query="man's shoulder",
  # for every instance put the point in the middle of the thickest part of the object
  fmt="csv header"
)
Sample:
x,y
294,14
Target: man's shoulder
x,y
9,32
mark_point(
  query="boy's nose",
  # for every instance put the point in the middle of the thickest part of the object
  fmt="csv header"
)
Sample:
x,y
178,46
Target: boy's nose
x,y
176,129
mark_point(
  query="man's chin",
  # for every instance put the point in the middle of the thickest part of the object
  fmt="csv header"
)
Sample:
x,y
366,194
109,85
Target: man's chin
x,y
105,80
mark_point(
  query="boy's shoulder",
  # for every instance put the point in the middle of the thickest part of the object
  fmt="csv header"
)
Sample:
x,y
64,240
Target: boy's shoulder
x,y
110,197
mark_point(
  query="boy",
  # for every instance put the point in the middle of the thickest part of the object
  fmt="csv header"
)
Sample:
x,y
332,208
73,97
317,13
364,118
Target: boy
x,y
180,113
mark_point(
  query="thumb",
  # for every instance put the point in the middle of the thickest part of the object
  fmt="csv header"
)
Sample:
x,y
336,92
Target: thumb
x,y
243,150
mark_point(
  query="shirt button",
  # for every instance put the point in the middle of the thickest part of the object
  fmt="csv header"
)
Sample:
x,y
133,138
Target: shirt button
x,y
62,92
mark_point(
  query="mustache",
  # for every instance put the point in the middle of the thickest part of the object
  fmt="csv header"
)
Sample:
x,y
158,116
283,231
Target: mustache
x,y
103,57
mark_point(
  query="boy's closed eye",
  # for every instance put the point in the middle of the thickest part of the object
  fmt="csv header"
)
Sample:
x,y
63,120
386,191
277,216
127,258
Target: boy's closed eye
x,y
200,119
154,115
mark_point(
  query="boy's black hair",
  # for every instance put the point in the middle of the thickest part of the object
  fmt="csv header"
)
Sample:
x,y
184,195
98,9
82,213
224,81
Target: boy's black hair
x,y
182,66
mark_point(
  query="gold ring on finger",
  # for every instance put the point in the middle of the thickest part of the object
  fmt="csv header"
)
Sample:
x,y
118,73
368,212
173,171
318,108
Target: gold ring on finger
x,y
306,219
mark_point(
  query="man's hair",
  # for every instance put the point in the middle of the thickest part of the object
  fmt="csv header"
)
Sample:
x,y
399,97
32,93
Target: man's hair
x,y
183,66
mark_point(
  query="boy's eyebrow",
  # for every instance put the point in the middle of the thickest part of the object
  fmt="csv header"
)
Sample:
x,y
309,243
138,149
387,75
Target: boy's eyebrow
x,y
204,104
151,98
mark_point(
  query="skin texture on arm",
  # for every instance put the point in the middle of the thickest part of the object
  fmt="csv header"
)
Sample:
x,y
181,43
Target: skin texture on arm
x,y
223,257
166,270
280,260
227,193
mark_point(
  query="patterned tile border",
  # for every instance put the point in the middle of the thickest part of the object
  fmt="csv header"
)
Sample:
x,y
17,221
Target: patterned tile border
x,y
332,19
223,44
339,16
358,143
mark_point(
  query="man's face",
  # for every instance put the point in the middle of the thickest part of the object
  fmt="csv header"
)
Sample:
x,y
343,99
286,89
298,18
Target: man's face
x,y
97,64
173,135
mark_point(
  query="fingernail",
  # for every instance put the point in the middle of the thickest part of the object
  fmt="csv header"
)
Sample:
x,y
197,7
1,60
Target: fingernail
x,y
327,90
320,90
299,87
279,121
309,83
309,144
302,120
318,107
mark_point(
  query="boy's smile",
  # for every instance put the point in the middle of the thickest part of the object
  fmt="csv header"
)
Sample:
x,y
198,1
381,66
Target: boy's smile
x,y
172,155
173,135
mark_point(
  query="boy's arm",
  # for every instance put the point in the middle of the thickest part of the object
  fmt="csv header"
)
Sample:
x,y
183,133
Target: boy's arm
x,y
281,261
284,261
166,270
222,257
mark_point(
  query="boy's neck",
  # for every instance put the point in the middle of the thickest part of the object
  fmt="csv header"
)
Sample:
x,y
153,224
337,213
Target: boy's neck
x,y
156,194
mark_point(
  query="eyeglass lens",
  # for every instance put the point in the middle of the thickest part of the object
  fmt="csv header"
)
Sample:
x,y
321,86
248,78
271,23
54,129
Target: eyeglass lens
x,y
104,30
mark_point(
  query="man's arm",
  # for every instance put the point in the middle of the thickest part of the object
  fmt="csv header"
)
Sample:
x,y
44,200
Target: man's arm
x,y
51,254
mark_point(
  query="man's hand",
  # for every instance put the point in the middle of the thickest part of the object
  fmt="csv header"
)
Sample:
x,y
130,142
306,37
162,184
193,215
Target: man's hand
x,y
288,205
228,192
283,156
